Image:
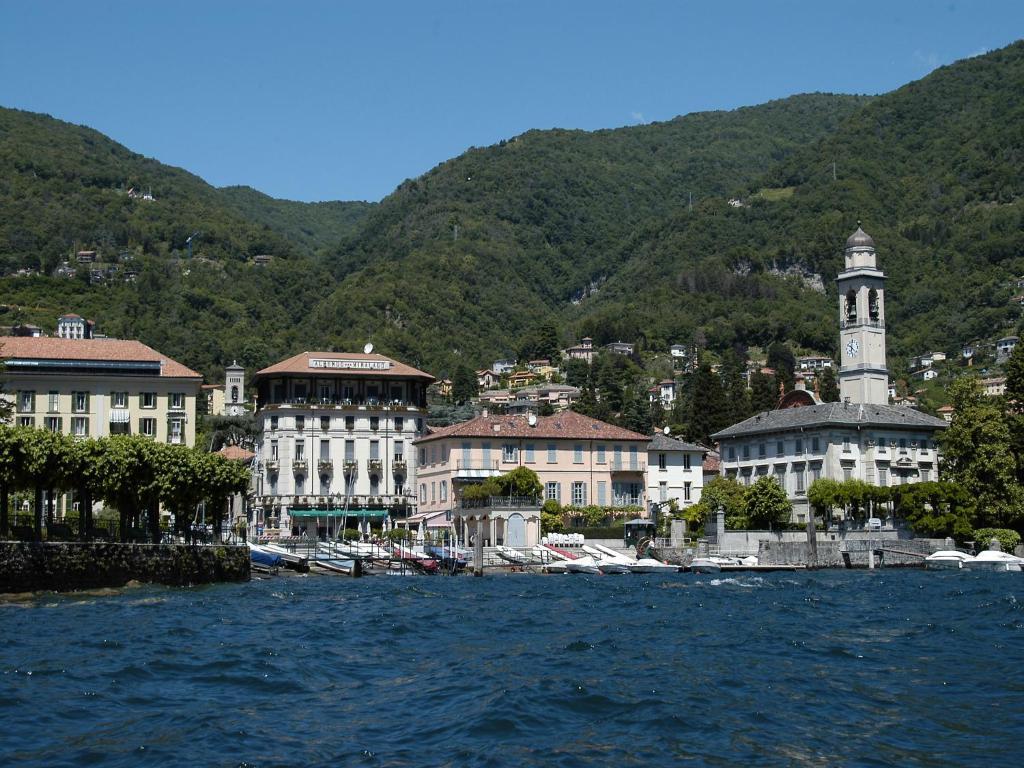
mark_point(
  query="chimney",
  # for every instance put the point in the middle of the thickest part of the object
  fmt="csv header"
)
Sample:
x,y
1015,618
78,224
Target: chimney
x,y
484,414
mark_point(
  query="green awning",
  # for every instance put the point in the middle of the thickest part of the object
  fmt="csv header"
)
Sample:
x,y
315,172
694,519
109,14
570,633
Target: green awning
x,y
354,512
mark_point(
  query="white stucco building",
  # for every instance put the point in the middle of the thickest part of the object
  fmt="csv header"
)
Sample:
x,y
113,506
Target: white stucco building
x,y
674,471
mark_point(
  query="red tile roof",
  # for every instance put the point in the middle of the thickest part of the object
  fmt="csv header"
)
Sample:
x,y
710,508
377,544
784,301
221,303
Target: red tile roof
x,y
300,364
55,348
567,425
236,452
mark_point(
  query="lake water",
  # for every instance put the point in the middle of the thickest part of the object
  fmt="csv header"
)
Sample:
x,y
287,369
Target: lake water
x,y
824,668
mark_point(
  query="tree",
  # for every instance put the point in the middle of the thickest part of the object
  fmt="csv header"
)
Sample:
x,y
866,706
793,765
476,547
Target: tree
x,y
781,358
976,453
464,385
521,481
764,394
577,373
825,495
722,492
737,396
766,505
708,410
12,462
1013,398
828,387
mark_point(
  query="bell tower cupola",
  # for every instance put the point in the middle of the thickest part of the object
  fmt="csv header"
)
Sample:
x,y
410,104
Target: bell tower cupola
x,y
863,376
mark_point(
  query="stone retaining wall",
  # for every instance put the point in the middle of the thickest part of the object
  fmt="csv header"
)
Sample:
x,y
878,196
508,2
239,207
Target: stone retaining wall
x,y
63,566
831,554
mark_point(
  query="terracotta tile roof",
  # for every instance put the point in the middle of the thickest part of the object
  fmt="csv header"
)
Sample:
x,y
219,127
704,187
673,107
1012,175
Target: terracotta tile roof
x,y
236,453
567,425
300,364
120,350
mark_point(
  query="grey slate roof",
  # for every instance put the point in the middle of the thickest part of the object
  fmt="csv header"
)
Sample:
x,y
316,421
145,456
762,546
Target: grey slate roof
x,y
832,414
662,442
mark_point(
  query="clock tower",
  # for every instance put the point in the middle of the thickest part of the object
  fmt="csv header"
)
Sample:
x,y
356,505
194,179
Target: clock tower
x,y
863,377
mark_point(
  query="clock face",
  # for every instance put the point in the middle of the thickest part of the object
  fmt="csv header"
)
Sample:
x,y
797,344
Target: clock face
x,y
852,348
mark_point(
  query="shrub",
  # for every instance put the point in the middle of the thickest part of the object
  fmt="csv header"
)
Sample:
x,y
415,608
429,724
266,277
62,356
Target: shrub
x,y
1008,538
399,534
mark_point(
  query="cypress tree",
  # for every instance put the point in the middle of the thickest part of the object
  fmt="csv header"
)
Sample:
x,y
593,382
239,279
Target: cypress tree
x,y
828,387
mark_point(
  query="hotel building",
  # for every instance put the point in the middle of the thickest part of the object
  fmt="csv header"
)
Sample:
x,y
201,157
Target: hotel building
x,y
337,430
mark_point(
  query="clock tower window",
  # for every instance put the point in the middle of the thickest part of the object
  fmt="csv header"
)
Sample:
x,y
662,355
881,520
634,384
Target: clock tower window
x,y
851,305
873,304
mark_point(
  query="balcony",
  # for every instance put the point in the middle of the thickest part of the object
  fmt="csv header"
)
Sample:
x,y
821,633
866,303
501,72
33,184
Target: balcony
x,y
271,465
628,466
325,465
375,465
299,465
350,466
399,465
342,404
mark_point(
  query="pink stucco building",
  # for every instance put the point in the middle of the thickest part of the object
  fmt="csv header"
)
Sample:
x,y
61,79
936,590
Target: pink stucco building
x,y
579,460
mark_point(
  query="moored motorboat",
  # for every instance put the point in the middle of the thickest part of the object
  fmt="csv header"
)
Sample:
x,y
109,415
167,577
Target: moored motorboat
x,y
994,560
705,565
510,555
612,567
585,564
262,559
947,559
650,565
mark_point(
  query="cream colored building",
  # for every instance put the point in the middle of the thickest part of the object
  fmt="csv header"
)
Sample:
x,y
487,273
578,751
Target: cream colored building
x,y
99,387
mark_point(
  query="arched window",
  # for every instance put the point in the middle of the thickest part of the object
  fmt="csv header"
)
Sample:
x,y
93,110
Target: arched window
x,y
234,394
851,305
873,304
374,485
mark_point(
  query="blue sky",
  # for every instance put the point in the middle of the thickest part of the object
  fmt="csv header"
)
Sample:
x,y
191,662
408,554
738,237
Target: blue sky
x,y
344,100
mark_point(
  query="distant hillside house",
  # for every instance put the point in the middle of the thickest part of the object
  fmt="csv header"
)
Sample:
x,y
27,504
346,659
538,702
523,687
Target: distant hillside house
x,y
663,391
520,379
969,350
486,379
924,374
73,326
946,413
503,366
86,257
583,351
261,260
620,348
500,397
813,362
558,396
1005,347
994,387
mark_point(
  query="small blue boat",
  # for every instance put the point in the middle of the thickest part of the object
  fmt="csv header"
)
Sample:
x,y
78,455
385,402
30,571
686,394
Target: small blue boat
x,y
261,557
449,557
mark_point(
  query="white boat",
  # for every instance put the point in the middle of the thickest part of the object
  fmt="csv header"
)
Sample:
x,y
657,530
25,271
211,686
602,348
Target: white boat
x,y
992,560
612,567
510,555
650,565
582,565
705,565
946,559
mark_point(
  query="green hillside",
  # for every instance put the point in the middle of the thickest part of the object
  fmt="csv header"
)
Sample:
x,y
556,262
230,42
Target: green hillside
x,y
313,226
592,232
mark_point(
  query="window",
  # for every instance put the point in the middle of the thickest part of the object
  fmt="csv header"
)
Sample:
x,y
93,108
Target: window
x,y
350,450
762,450
119,399
815,472
300,423
903,445
374,423
579,494
846,445
847,473
350,423
882,444
780,448
530,453
26,402
52,423
54,404
399,423
300,484
234,394
662,461
176,430
687,490
799,446
325,450
79,402
926,474
617,463
147,427
577,454
26,421
467,455
273,423
552,453
602,492
601,454
177,401
325,423
374,485
273,484
509,453
798,474
883,476
147,399
816,444
851,305
687,458
325,485
746,452
375,449
732,453
273,450
552,492
633,463
80,426
780,477
300,450
444,490
399,450
486,447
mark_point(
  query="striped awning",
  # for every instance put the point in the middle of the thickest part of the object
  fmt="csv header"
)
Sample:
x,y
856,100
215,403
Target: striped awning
x,y
119,416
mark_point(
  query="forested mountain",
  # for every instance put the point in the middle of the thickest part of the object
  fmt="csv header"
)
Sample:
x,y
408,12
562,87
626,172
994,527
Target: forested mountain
x,y
711,225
